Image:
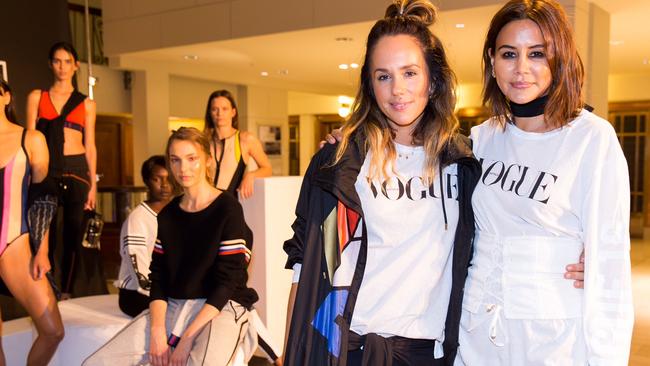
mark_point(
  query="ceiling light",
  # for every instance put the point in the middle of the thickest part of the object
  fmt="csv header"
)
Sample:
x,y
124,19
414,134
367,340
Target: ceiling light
x,y
345,99
264,73
191,57
460,25
616,42
354,66
343,66
345,104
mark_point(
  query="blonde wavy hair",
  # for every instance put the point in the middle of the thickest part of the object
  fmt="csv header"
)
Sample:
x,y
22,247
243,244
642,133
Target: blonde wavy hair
x,y
438,123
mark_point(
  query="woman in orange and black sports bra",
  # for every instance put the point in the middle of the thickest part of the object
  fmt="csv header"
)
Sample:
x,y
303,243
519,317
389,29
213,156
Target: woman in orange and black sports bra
x,y
24,160
67,119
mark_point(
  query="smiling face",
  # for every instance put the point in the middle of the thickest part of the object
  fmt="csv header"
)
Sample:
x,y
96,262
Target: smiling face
x,y
63,65
222,112
520,62
400,80
188,163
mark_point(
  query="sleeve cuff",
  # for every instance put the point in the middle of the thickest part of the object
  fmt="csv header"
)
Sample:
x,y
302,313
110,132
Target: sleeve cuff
x,y
156,294
153,298
297,268
219,297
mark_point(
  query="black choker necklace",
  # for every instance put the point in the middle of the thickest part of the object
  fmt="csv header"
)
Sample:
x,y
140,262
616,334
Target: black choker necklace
x,y
530,109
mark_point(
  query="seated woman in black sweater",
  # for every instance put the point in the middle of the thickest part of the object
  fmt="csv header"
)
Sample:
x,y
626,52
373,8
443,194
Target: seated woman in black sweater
x,y
198,313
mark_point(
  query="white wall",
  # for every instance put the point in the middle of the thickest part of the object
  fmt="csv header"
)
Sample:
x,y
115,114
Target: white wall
x,y
468,95
134,25
266,106
188,97
270,213
310,103
629,87
307,106
308,125
110,95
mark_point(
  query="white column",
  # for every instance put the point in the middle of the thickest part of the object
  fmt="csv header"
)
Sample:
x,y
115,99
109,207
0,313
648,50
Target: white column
x,y
150,103
591,28
270,213
307,125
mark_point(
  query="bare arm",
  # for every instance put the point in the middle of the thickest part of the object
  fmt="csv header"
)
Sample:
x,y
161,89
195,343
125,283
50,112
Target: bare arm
x,y
39,160
33,99
91,152
255,150
290,304
159,351
182,351
39,156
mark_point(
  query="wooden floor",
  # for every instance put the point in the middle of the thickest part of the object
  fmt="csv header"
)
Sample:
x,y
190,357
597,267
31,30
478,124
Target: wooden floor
x,y
640,352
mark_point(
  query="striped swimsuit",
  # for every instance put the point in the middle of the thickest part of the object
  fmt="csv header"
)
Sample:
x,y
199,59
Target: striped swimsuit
x,y
13,196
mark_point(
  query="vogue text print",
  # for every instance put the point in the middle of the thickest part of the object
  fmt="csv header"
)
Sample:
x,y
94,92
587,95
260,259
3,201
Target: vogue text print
x,y
413,188
521,180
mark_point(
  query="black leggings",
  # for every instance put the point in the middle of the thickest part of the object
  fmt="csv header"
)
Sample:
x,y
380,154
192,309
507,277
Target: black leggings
x,y
132,303
77,269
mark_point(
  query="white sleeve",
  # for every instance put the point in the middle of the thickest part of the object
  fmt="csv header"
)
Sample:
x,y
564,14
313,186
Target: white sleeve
x,y
607,310
134,238
296,272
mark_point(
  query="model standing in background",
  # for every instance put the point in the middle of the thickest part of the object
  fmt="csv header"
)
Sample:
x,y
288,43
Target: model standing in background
x,y
232,148
67,119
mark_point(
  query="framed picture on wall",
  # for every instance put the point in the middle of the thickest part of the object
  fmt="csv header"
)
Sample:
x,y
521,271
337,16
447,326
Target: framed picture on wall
x,y
271,137
3,70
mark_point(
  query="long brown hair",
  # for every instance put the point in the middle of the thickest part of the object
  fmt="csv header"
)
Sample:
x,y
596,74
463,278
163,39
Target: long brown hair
x,y
196,137
438,123
565,92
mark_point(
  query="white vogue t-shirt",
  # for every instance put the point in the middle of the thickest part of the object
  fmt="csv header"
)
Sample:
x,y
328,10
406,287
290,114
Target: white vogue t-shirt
x,y
569,183
407,280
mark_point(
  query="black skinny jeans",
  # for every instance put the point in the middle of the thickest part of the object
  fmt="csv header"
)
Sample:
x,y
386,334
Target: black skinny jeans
x,y
78,270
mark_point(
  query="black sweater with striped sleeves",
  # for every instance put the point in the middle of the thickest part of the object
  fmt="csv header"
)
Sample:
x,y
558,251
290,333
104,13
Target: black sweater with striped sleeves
x,y
202,254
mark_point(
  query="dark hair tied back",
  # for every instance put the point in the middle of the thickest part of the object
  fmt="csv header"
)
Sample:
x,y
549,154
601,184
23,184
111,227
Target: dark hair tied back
x,y
413,10
65,46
